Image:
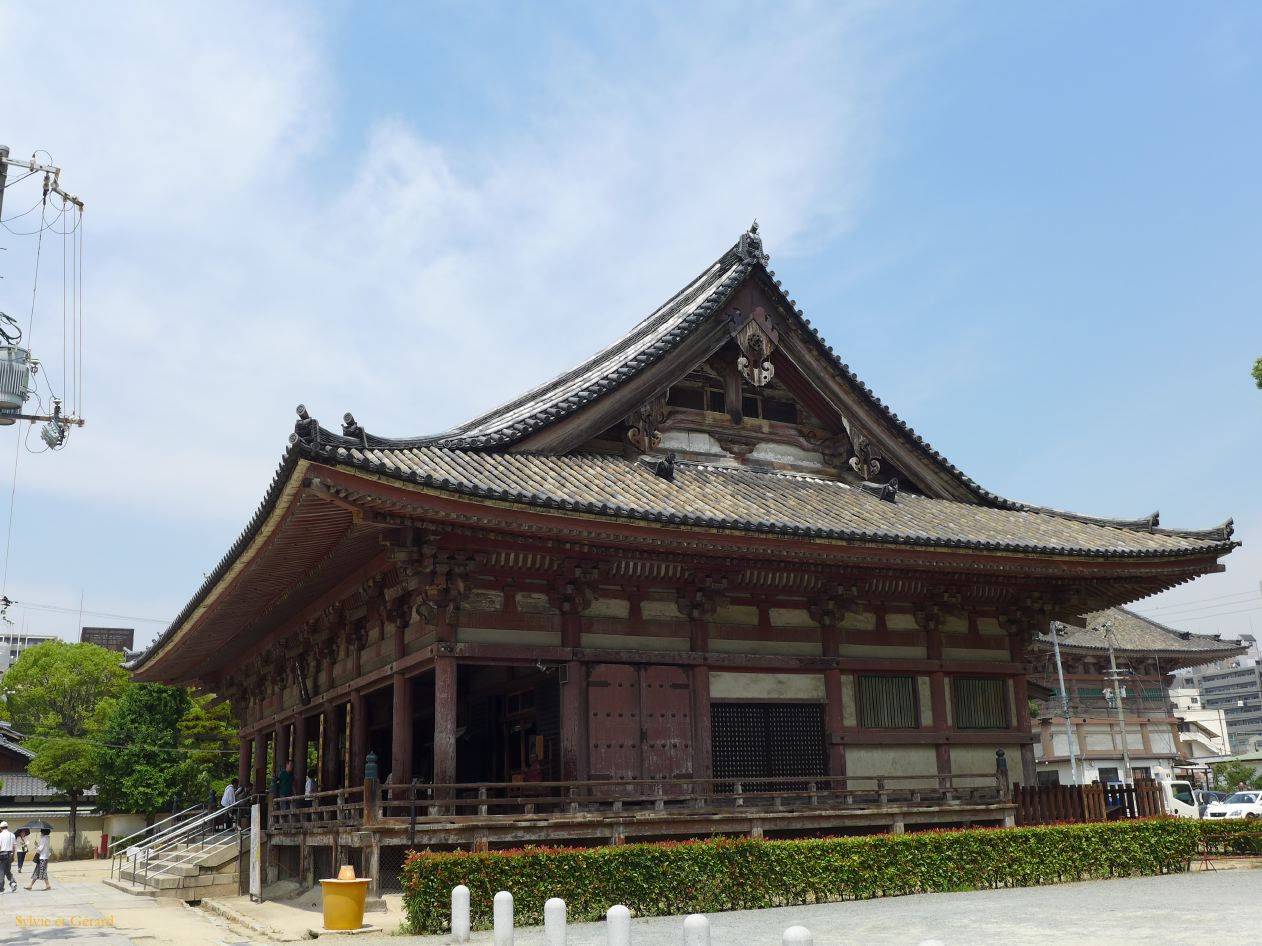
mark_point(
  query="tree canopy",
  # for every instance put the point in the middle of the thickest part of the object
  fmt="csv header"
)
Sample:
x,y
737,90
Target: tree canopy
x,y
1257,372
159,745
58,695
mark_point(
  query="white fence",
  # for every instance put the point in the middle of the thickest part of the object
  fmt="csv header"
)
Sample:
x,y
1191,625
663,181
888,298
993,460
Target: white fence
x,y
696,927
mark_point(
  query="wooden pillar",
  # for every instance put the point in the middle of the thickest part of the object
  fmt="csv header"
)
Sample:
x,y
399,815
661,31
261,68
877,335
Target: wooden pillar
x,y
282,748
401,732
328,749
702,741
834,715
834,722
1021,705
299,752
358,738
260,762
938,695
445,703
243,762
574,722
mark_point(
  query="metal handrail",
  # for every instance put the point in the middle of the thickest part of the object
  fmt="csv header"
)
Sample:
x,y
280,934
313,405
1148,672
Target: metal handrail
x,y
161,843
129,840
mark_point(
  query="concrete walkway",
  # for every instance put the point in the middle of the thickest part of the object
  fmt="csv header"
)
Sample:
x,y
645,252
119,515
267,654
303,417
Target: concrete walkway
x,y
80,909
1223,908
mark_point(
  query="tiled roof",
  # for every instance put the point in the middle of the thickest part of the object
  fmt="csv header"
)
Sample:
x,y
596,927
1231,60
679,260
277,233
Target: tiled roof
x,y
21,784
724,497
1133,632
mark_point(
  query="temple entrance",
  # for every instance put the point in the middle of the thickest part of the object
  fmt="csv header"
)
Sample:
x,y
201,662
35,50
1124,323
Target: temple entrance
x,y
639,722
768,740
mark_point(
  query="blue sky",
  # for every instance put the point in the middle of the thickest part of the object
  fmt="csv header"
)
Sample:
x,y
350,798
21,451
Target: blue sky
x,y
1034,230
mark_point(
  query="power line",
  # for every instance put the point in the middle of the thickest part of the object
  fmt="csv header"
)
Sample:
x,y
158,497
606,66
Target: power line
x,y
1183,604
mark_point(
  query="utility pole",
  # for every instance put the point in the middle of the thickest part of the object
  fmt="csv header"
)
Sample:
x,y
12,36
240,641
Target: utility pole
x,y
1057,628
4,172
1107,627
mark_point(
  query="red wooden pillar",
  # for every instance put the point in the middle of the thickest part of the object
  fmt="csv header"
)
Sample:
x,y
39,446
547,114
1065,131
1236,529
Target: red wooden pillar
x,y
299,752
243,761
574,722
834,716
401,732
1021,706
328,749
938,696
282,747
358,737
260,762
445,698
834,722
702,741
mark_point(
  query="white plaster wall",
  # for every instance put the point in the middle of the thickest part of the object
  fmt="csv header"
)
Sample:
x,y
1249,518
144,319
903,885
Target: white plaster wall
x,y
790,617
609,608
635,642
892,760
660,611
766,686
774,648
490,635
925,693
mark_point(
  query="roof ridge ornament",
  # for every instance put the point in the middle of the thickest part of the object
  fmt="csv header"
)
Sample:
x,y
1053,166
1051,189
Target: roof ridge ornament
x,y
757,337
749,247
886,492
306,427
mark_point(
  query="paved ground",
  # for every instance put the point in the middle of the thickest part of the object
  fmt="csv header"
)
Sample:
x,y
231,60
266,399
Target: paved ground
x,y
1223,908
81,910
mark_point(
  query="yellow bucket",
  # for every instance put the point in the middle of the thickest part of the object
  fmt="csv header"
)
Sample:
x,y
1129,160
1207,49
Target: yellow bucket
x,y
344,903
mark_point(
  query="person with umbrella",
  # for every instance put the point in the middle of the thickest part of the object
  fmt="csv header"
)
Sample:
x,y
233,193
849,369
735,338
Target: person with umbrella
x,y
43,853
19,837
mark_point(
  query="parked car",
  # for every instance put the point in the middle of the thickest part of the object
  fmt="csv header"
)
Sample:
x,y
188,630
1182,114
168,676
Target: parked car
x,y
1206,798
1239,805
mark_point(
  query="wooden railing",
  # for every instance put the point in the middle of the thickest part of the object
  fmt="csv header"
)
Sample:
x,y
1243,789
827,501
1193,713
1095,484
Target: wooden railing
x,y
341,807
417,803
1048,804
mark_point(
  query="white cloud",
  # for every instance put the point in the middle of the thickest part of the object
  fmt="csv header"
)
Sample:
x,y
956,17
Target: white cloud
x,y
231,276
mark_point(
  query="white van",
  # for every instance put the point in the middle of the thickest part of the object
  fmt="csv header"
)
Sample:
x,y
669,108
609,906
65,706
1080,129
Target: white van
x,y
1180,799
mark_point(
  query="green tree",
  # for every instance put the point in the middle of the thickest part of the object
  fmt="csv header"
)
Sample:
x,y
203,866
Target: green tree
x,y
1228,775
1257,372
58,694
161,744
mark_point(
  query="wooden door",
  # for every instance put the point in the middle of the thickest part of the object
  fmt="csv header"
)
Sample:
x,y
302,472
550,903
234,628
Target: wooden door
x,y
667,733
613,702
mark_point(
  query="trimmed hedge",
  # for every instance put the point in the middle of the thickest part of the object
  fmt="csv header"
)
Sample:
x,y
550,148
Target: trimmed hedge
x,y
742,874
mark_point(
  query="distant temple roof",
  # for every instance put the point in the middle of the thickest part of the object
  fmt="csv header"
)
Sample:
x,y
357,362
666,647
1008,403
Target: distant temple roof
x,y
1135,634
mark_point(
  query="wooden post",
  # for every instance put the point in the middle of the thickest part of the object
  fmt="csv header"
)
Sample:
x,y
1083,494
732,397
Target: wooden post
x,y
834,723
328,749
243,761
299,751
702,743
445,702
401,733
282,747
574,722
260,762
358,736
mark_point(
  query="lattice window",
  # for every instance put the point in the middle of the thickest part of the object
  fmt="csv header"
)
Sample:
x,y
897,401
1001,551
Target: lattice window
x,y
888,702
980,702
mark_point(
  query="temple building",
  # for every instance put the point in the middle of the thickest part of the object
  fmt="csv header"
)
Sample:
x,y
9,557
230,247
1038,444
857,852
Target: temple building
x,y
704,582
1161,744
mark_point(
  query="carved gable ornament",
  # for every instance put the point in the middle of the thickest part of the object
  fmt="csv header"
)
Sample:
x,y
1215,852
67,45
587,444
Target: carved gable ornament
x,y
757,337
643,422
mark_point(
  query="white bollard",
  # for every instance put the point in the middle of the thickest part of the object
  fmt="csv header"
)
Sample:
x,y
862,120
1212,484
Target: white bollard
x,y
798,936
618,923
696,930
460,914
503,918
554,922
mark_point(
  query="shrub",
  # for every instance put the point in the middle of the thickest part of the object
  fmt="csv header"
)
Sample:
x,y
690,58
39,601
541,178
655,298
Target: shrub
x,y
1232,835
741,874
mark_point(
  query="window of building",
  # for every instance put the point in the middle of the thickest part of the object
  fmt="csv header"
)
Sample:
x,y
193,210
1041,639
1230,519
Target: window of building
x,y
1107,775
888,702
1142,771
980,702
1048,777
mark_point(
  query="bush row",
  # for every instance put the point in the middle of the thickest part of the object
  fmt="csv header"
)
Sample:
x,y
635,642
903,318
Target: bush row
x,y
741,874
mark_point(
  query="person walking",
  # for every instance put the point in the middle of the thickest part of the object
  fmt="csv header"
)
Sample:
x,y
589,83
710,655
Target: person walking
x,y
20,840
43,854
7,845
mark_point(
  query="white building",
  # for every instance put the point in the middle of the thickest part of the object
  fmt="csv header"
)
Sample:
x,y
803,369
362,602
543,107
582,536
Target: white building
x,y
12,643
1202,730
